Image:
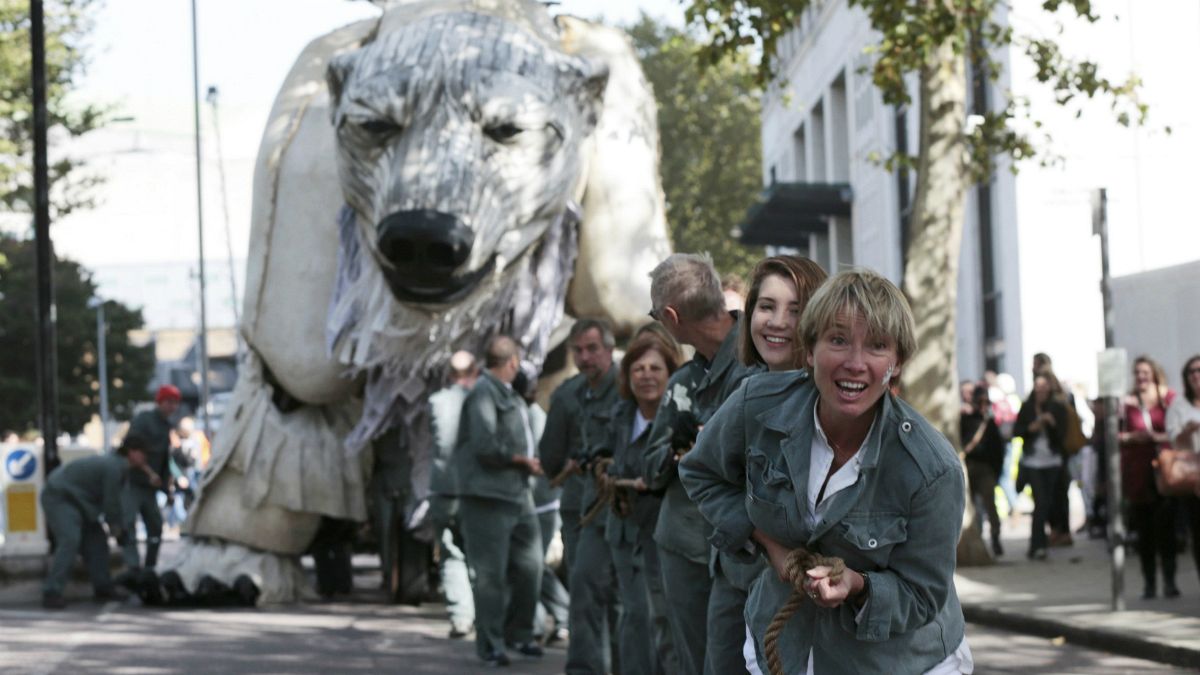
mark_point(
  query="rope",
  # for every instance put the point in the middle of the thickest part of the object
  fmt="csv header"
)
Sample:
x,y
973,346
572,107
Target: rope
x,y
605,490
562,476
796,567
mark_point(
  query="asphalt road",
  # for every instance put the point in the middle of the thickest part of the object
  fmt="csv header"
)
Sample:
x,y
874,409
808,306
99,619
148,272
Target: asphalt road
x,y
355,637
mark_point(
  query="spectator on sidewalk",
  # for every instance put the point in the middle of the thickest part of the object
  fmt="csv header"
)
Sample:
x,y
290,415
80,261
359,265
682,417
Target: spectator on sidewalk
x,y
1040,424
1152,515
1059,513
984,449
1183,426
76,496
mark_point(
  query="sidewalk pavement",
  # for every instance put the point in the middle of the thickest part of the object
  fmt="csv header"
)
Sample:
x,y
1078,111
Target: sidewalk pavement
x,y
1069,596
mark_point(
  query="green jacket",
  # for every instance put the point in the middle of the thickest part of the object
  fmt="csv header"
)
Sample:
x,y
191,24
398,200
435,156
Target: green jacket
x,y
94,484
627,454
899,523
694,393
491,431
563,439
156,431
595,421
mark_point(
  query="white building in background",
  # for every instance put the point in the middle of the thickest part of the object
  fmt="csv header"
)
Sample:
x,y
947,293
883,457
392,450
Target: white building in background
x,y
168,293
1030,267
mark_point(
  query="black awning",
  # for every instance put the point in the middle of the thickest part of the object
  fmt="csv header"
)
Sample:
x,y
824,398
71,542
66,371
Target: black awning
x,y
787,213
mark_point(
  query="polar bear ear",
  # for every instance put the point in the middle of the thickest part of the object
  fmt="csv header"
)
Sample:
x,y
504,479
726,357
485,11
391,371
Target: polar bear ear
x,y
623,235
336,73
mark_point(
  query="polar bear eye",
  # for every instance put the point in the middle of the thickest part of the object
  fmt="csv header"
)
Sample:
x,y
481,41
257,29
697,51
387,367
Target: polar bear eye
x,y
502,132
379,127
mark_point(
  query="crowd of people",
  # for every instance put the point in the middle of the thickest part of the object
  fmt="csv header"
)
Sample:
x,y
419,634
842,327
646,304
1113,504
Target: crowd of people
x,y
770,505
697,499
1055,447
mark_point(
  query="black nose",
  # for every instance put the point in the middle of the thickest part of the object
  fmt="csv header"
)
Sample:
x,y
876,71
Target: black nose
x,y
425,246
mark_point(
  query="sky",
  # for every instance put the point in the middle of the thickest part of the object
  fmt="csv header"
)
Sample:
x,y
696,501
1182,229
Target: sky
x,y
141,62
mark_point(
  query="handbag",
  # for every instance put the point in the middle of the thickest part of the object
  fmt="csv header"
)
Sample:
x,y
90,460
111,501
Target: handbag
x,y
1073,438
1177,472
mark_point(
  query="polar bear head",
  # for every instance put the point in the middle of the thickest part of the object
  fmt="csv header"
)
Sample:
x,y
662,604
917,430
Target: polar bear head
x,y
459,137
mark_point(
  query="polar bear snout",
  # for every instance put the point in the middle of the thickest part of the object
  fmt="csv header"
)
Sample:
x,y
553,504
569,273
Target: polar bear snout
x,y
425,251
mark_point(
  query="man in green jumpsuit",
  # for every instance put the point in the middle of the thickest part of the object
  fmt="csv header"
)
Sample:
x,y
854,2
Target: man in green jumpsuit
x,y
495,458
154,427
686,296
75,497
592,579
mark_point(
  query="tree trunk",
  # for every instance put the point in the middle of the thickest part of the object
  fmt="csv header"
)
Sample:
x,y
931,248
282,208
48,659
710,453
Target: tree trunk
x,y
931,274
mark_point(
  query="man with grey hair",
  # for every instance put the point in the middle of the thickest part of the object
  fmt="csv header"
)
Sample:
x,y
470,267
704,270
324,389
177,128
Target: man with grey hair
x,y
705,615
580,412
445,412
495,460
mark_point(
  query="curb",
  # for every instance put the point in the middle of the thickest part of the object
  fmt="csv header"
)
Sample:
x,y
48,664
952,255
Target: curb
x,y
1101,639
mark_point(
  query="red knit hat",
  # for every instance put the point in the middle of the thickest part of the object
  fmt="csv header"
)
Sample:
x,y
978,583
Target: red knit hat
x,y
167,392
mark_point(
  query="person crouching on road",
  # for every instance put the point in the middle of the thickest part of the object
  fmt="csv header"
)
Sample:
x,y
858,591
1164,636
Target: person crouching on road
x,y
75,497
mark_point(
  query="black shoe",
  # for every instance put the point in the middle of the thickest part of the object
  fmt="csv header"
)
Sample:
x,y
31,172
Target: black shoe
x,y
1171,591
499,659
53,601
1148,593
530,649
111,593
556,635
997,549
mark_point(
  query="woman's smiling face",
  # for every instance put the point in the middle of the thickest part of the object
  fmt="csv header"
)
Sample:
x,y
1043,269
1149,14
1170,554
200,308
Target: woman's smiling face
x,y
851,370
773,323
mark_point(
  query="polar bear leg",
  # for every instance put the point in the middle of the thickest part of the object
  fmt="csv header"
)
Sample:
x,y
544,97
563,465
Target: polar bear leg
x,y
273,475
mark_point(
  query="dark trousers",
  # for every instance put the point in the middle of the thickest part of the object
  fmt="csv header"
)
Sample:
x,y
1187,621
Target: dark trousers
x,y
667,663
982,481
594,605
1060,507
1042,481
726,629
504,547
686,585
1154,522
1190,510
141,500
635,638
74,534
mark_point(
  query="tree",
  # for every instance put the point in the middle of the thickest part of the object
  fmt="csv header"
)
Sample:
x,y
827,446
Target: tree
x,y
934,40
67,23
708,121
130,367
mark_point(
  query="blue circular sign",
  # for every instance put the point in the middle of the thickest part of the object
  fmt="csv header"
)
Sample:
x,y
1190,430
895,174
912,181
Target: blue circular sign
x,y
21,464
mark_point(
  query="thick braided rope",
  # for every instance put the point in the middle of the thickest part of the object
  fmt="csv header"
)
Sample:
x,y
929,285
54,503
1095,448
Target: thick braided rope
x,y
605,489
797,565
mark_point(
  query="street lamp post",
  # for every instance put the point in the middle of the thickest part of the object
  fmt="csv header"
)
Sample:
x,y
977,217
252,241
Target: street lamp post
x,y
203,343
102,360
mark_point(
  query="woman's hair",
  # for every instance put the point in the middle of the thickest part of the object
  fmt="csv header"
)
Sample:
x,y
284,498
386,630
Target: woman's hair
x,y
645,341
1189,393
1160,377
806,277
861,291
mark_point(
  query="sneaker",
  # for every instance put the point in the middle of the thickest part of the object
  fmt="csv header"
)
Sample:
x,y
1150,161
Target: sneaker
x,y
499,659
459,629
53,601
530,649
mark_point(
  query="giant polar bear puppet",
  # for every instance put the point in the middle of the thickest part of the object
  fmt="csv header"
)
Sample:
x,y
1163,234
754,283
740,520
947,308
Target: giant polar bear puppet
x,y
450,170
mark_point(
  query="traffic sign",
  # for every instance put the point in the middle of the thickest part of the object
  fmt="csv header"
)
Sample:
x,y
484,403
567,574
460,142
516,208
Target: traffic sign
x,y
21,464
